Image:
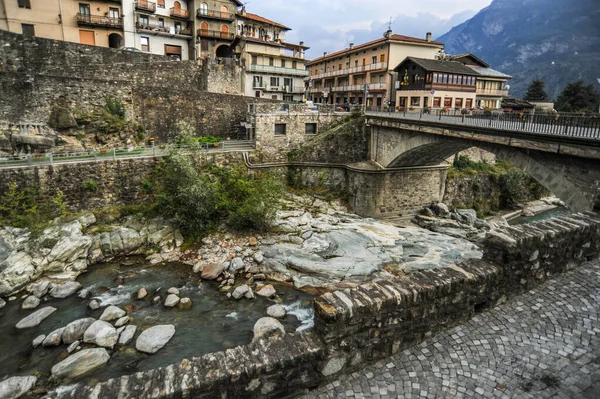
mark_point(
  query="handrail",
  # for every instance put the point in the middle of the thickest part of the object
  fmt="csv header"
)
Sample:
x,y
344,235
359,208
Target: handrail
x,y
570,125
95,155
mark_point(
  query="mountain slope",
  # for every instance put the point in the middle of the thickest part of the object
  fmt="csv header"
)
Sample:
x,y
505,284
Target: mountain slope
x,y
555,40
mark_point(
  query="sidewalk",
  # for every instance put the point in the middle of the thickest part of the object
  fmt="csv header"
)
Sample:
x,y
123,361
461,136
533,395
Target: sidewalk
x,y
544,344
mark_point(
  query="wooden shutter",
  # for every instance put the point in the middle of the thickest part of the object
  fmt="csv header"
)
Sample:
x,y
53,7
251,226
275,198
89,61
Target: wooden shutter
x,y
87,37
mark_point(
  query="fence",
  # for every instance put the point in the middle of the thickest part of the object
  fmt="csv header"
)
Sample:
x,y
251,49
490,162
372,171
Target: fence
x,y
570,125
95,155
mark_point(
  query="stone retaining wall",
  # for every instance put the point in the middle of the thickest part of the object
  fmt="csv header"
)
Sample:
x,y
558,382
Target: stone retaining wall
x,y
373,320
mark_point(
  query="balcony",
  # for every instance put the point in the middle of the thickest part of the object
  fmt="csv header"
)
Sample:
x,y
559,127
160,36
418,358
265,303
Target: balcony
x,y
99,21
215,34
278,70
214,14
179,13
352,71
492,92
163,30
145,5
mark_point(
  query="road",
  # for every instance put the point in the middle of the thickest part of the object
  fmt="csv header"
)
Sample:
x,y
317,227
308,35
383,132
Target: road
x,y
543,344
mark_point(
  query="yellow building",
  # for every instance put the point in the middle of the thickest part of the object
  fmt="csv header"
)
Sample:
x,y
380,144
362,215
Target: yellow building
x,y
98,23
341,77
275,69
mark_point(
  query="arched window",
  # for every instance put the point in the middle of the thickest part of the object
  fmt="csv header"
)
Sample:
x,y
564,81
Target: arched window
x,y
177,5
203,9
224,12
204,27
160,3
224,31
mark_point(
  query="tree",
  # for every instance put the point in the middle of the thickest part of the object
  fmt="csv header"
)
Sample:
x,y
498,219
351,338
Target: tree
x,y
536,91
578,97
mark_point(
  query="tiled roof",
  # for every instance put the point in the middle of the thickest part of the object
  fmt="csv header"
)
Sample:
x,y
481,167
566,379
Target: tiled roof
x,y
464,58
489,72
397,38
258,18
439,66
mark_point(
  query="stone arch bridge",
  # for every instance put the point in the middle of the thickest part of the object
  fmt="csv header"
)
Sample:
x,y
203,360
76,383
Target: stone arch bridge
x,y
568,165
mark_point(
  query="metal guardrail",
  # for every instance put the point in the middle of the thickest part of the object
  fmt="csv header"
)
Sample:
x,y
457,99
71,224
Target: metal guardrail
x,y
113,154
567,125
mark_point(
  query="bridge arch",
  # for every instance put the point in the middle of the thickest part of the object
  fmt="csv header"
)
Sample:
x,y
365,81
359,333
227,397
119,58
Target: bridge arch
x,y
574,180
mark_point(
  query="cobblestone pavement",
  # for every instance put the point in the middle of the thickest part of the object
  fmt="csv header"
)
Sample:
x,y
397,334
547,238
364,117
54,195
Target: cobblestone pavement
x,y
543,344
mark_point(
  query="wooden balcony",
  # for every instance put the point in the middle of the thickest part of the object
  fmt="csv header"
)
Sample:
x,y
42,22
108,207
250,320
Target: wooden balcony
x,y
179,13
214,14
145,5
215,34
99,21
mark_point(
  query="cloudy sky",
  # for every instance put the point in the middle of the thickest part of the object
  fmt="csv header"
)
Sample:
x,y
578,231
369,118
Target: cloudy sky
x,y
329,25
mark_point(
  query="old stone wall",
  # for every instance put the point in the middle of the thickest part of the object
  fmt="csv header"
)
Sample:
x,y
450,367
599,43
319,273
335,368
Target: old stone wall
x,y
96,185
374,320
37,75
374,193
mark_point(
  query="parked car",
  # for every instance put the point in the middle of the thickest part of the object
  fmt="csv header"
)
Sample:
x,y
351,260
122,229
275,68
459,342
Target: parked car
x,y
132,49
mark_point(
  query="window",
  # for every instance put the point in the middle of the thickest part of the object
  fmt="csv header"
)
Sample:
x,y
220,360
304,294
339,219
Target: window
x,y
28,30
279,128
469,103
288,97
177,27
437,101
382,58
458,103
294,64
257,81
161,22
114,13
87,37
203,45
445,78
254,60
283,63
288,83
24,4
145,43
374,60
415,101
84,9
310,128
144,20
271,61
274,81
448,102
161,4
356,63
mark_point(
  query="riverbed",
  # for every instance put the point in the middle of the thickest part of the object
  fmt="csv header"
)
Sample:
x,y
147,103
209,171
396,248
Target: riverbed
x,y
214,322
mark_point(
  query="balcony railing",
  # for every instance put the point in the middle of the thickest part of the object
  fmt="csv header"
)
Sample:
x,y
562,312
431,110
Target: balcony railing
x,y
99,20
492,92
145,5
213,14
279,70
217,34
179,13
166,30
353,70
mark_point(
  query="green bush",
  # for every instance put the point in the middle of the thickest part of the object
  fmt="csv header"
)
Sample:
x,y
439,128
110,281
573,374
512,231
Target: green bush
x,y
89,185
114,107
26,208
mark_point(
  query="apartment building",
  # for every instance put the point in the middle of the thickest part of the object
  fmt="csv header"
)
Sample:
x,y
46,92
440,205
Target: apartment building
x,y
160,27
491,84
427,83
275,69
365,72
97,23
216,28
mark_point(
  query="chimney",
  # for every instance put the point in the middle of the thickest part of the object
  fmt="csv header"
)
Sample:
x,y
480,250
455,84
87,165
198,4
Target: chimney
x,y
351,45
428,36
302,43
243,11
324,53
388,34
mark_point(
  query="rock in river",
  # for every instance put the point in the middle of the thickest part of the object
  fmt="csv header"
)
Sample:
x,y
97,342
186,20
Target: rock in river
x,y
74,330
31,302
112,313
127,335
267,291
268,327
171,300
154,338
240,291
80,363
101,333
54,338
15,387
276,311
65,290
35,318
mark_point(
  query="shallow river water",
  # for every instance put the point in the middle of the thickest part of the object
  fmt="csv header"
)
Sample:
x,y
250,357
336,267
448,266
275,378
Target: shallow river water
x,y
214,323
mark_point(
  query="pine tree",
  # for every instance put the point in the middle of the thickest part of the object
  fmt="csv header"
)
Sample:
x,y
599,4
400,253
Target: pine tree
x,y
578,97
536,91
